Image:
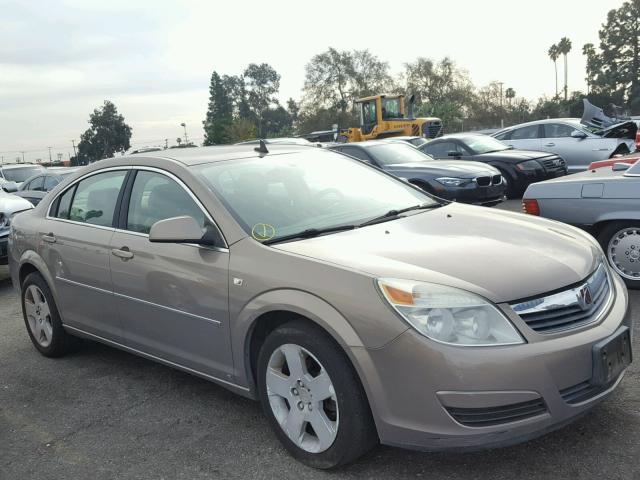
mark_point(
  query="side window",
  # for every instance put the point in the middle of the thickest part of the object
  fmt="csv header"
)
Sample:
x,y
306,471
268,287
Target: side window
x,y
440,150
504,135
50,182
36,184
557,130
156,197
64,203
356,153
526,133
96,197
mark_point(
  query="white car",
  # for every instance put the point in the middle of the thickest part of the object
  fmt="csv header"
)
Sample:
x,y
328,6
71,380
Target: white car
x,y
576,143
18,173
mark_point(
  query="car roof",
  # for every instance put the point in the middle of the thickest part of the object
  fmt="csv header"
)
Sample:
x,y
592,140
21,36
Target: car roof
x,y
458,136
12,166
198,156
541,122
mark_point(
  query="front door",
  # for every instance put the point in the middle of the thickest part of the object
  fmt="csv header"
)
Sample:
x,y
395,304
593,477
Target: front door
x,y
75,243
172,298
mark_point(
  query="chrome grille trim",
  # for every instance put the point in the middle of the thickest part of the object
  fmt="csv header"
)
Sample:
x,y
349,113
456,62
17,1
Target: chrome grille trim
x,y
569,308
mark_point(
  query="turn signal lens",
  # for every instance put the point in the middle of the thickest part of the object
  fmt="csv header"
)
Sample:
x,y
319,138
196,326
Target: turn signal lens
x,y
397,296
531,206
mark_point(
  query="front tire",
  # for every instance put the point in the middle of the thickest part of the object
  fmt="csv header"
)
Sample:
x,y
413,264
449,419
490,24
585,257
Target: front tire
x,y
621,243
42,319
313,398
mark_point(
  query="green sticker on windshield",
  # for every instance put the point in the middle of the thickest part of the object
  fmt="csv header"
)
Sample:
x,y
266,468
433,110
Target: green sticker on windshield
x,y
263,231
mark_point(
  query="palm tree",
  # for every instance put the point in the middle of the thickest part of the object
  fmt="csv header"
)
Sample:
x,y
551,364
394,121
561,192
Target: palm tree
x,y
554,53
564,47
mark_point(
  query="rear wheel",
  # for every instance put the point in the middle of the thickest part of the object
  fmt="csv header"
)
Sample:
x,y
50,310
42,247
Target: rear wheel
x,y
621,243
42,319
313,397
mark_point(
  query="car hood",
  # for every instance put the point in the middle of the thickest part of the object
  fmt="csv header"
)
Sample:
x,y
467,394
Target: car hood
x,y
500,255
449,168
514,156
10,204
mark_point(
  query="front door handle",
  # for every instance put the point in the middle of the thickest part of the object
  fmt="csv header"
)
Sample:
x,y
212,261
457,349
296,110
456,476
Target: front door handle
x,y
49,238
550,145
124,253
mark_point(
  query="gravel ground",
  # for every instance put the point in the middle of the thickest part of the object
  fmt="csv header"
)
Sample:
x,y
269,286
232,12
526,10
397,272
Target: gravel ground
x,y
104,414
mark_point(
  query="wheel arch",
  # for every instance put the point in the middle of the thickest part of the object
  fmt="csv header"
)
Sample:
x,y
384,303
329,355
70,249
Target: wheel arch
x,y
607,219
31,262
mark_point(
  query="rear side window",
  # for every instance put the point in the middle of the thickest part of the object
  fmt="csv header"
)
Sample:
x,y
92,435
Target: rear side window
x,y
95,199
36,184
156,197
526,133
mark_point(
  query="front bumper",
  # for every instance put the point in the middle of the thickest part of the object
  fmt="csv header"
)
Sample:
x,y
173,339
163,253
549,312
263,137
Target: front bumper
x,y
413,384
472,193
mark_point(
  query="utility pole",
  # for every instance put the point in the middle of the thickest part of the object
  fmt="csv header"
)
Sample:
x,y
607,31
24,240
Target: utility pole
x,y
166,143
501,107
73,142
186,139
49,154
22,156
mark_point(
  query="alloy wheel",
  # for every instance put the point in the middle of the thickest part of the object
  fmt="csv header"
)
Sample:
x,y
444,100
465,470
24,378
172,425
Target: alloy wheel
x,y
302,398
624,252
38,315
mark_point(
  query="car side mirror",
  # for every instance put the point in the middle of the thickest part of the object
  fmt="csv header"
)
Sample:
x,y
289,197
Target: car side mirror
x,y
578,134
10,187
183,229
453,153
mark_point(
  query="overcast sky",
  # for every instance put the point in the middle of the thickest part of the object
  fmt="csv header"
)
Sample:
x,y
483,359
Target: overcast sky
x,y
59,59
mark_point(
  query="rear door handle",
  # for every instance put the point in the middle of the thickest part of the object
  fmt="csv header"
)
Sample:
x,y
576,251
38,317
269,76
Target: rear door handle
x,y
124,253
550,145
49,238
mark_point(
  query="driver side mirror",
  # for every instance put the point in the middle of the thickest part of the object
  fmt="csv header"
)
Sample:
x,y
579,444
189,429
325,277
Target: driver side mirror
x,y
10,187
183,229
578,134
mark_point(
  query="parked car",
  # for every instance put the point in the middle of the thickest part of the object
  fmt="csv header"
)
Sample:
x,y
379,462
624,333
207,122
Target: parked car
x,y
577,144
415,141
10,205
35,188
354,306
606,203
467,182
519,168
280,140
630,159
19,172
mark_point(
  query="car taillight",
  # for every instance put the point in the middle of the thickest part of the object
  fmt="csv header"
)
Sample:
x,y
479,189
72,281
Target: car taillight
x,y
531,207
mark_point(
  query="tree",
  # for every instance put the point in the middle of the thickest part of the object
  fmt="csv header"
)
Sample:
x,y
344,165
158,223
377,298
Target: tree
x,y
107,134
219,112
564,47
262,84
240,130
589,51
510,94
554,53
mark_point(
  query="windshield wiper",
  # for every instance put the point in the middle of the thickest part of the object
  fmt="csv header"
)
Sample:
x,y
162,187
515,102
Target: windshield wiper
x,y
393,214
309,233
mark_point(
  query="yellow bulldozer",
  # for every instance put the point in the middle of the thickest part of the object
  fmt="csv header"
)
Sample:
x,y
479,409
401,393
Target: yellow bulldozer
x,y
385,116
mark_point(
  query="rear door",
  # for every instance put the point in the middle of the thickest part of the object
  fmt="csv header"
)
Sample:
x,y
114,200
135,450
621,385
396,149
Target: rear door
x,y
74,241
172,298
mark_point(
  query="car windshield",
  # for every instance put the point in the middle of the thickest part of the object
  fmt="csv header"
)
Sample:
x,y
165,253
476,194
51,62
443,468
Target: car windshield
x,y
280,195
397,153
484,144
19,175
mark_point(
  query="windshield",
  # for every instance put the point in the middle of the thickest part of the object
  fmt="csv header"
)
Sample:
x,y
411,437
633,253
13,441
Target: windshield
x,y
397,153
484,144
19,175
280,195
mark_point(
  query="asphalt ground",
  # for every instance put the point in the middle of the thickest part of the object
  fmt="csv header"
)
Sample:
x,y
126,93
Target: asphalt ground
x,y
105,414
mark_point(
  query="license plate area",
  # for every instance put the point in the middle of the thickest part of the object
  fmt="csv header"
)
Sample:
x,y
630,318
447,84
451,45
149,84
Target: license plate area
x,y
611,356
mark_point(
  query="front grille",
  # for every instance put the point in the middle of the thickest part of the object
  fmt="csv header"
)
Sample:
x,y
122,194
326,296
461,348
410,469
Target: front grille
x,y
553,163
489,416
483,181
432,129
496,179
571,308
584,391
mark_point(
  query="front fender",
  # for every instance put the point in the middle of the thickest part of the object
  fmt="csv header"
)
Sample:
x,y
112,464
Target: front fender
x,y
289,300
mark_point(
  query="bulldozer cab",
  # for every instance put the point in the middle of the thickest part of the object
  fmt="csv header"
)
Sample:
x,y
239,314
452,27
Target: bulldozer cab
x,y
373,110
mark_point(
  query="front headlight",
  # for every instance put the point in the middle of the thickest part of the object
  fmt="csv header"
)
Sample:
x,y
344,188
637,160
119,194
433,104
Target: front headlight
x,y
453,182
528,166
5,221
449,315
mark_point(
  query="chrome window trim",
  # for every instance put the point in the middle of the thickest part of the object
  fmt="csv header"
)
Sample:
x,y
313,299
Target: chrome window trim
x,y
154,357
145,168
145,302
